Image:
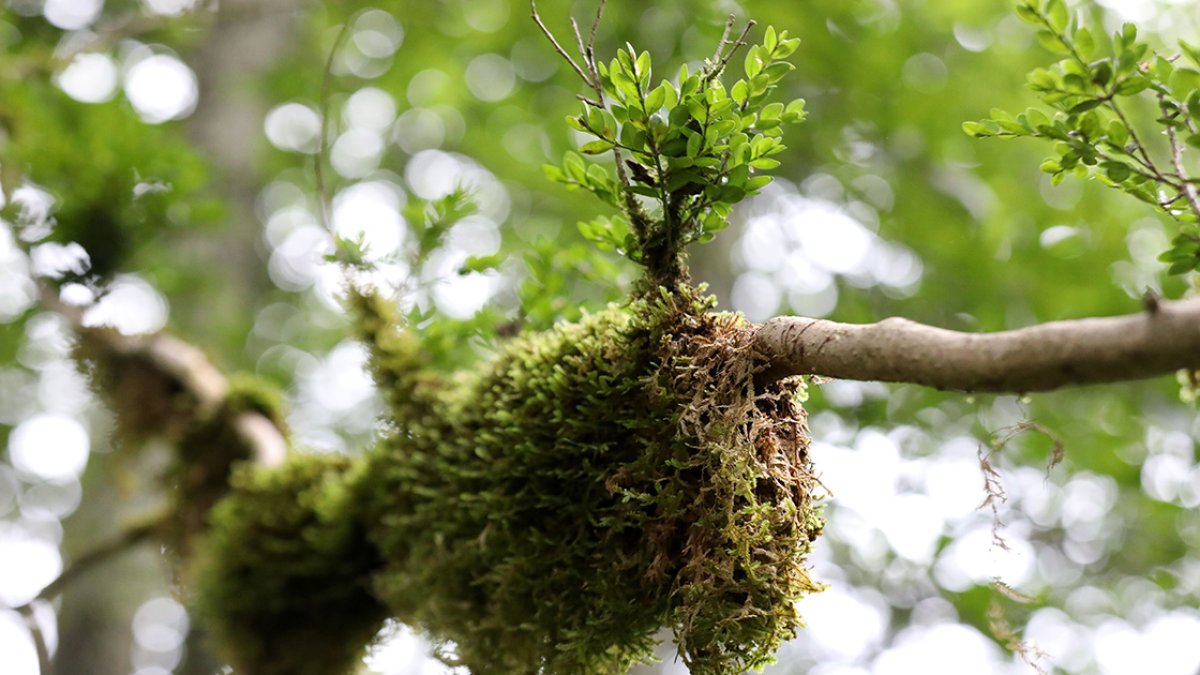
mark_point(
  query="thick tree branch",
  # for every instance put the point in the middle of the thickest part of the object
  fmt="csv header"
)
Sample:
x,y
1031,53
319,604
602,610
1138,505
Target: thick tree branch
x,y
1164,338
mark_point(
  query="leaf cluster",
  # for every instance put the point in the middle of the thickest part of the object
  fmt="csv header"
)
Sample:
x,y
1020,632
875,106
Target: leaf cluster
x,y
1091,93
687,149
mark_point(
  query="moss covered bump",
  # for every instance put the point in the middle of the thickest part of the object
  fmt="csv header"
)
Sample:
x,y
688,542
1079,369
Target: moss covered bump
x,y
589,486
547,512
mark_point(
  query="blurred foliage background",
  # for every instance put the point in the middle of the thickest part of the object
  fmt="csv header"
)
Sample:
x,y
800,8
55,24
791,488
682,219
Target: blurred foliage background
x,y
172,145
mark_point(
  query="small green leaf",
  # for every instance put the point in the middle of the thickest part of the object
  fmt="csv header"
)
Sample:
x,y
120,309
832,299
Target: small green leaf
x,y
1192,52
643,68
1128,35
596,147
1057,15
575,167
1085,106
1085,44
1029,15
765,163
786,47
1132,86
757,183
738,92
1117,172
976,130
1117,133
754,62
770,40
1193,140
777,70
477,263
656,99
1052,42
772,111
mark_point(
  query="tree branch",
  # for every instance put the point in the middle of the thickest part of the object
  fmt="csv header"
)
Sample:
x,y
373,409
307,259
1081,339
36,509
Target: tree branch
x,y
1162,339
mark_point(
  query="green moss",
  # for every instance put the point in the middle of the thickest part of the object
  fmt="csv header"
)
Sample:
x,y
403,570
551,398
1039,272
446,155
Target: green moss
x,y
551,511
251,393
283,580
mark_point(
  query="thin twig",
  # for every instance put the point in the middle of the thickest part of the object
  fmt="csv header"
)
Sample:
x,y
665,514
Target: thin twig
x,y
591,43
557,47
1187,188
325,207
45,665
738,44
579,44
125,540
716,57
1137,142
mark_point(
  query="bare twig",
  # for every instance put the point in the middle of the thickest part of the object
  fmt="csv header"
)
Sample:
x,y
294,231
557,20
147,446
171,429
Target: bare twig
x,y
125,540
45,665
718,66
590,52
557,47
326,200
716,57
1188,189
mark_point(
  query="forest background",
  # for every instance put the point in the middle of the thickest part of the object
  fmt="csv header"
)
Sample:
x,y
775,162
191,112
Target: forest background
x,y
177,148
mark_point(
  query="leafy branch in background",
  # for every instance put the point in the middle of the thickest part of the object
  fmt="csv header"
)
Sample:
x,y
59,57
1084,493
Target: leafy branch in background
x,y
1095,91
684,152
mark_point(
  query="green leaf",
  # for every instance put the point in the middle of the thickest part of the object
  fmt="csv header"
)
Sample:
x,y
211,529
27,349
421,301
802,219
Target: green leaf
x,y
786,47
777,70
1117,172
1052,42
770,40
754,62
644,71
757,183
772,111
1051,166
656,98
1192,52
1085,44
481,263
1057,15
596,147
976,130
1128,35
1184,80
575,167
1029,15
1085,106
1193,140
1117,133
554,173
765,163
1133,85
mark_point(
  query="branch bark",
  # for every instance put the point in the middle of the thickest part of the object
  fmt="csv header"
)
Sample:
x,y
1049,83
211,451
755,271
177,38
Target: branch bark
x,y
1162,339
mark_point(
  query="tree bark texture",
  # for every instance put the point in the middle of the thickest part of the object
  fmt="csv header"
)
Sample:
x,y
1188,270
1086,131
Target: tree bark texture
x,y
1163,338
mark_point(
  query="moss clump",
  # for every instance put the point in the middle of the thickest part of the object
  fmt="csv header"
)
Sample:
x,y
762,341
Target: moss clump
x,y
550,512
283,580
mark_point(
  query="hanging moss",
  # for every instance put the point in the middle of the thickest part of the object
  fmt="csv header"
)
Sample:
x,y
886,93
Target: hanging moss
x,y
283,580
550,512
